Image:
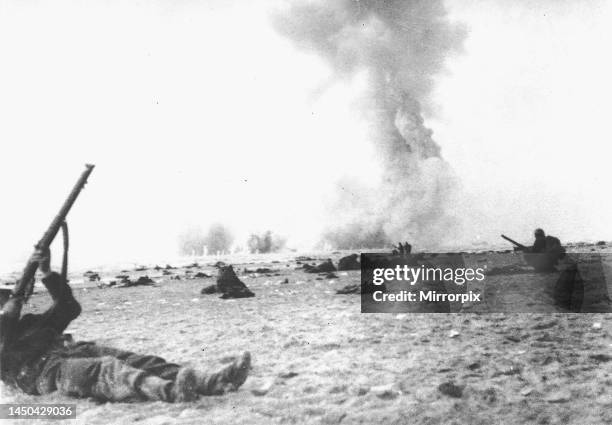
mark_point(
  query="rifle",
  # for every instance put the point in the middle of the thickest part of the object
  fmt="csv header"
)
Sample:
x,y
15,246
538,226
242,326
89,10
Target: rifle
x,y
25,284
519,247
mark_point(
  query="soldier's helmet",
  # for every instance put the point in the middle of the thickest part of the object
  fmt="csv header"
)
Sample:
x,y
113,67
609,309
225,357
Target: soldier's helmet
x,y
538,233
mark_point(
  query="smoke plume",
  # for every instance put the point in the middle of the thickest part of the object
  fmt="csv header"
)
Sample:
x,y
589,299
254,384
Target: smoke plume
x,y
217,240
400,46
265,242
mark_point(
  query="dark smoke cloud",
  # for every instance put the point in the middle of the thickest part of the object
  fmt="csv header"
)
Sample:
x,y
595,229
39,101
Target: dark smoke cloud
x,y
401,45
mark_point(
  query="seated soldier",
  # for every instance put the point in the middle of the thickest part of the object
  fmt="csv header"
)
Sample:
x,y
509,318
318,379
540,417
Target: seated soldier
x,y
548,249
36,358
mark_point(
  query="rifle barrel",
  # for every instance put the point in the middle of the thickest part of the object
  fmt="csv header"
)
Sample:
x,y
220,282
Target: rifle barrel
x,y
512,241
44,243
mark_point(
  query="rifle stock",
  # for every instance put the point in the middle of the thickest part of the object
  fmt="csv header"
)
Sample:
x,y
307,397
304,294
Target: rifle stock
x,y
25,284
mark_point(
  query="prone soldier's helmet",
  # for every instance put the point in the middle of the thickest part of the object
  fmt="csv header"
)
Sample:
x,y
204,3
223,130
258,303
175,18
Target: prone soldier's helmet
x,y
539,233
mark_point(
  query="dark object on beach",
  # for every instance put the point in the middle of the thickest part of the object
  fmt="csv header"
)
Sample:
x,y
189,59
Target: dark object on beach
x,y
140,269
302,259
265,270
331,276
191,266
600,358
284,282
169,267
600,243
349,289
325,267
94,277
122,276
207,290
230,286
201,275
260,270
451,390
176,277
166,272
350,262
142,281
157,268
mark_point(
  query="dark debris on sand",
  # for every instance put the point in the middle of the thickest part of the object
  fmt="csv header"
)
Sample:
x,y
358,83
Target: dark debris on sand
x,y
228,285
350,262
141,281
208,290
325,267
451,389
349,289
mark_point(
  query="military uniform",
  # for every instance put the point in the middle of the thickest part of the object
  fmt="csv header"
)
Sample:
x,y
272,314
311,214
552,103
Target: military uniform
x,y
545,253
38,359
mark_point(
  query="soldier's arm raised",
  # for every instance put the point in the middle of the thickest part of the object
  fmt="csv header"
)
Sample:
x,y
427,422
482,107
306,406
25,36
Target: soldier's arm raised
x,y
65,307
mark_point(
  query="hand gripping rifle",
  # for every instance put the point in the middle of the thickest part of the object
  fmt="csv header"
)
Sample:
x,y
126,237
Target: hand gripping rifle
x,y
518,246
25,284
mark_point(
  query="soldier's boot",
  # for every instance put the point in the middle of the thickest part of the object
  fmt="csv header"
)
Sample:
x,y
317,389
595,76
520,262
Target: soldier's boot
x,y
185,386
230,378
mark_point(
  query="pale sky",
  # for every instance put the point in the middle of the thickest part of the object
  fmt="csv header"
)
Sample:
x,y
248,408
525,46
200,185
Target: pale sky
x,y
199,112
524,115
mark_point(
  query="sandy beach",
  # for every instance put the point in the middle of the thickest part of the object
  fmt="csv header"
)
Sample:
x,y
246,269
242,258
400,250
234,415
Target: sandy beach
x,y
317,359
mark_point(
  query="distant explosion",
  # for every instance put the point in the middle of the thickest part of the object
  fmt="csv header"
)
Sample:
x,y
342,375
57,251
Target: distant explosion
x,y
401,45
217,240
265,243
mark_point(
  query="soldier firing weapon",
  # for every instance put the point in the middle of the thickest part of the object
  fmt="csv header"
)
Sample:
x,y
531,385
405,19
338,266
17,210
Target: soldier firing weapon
x,y
25,285
36,358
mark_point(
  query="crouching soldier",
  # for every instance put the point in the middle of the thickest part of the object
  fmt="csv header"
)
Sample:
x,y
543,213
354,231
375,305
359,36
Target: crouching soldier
x,y
37,358
545,252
